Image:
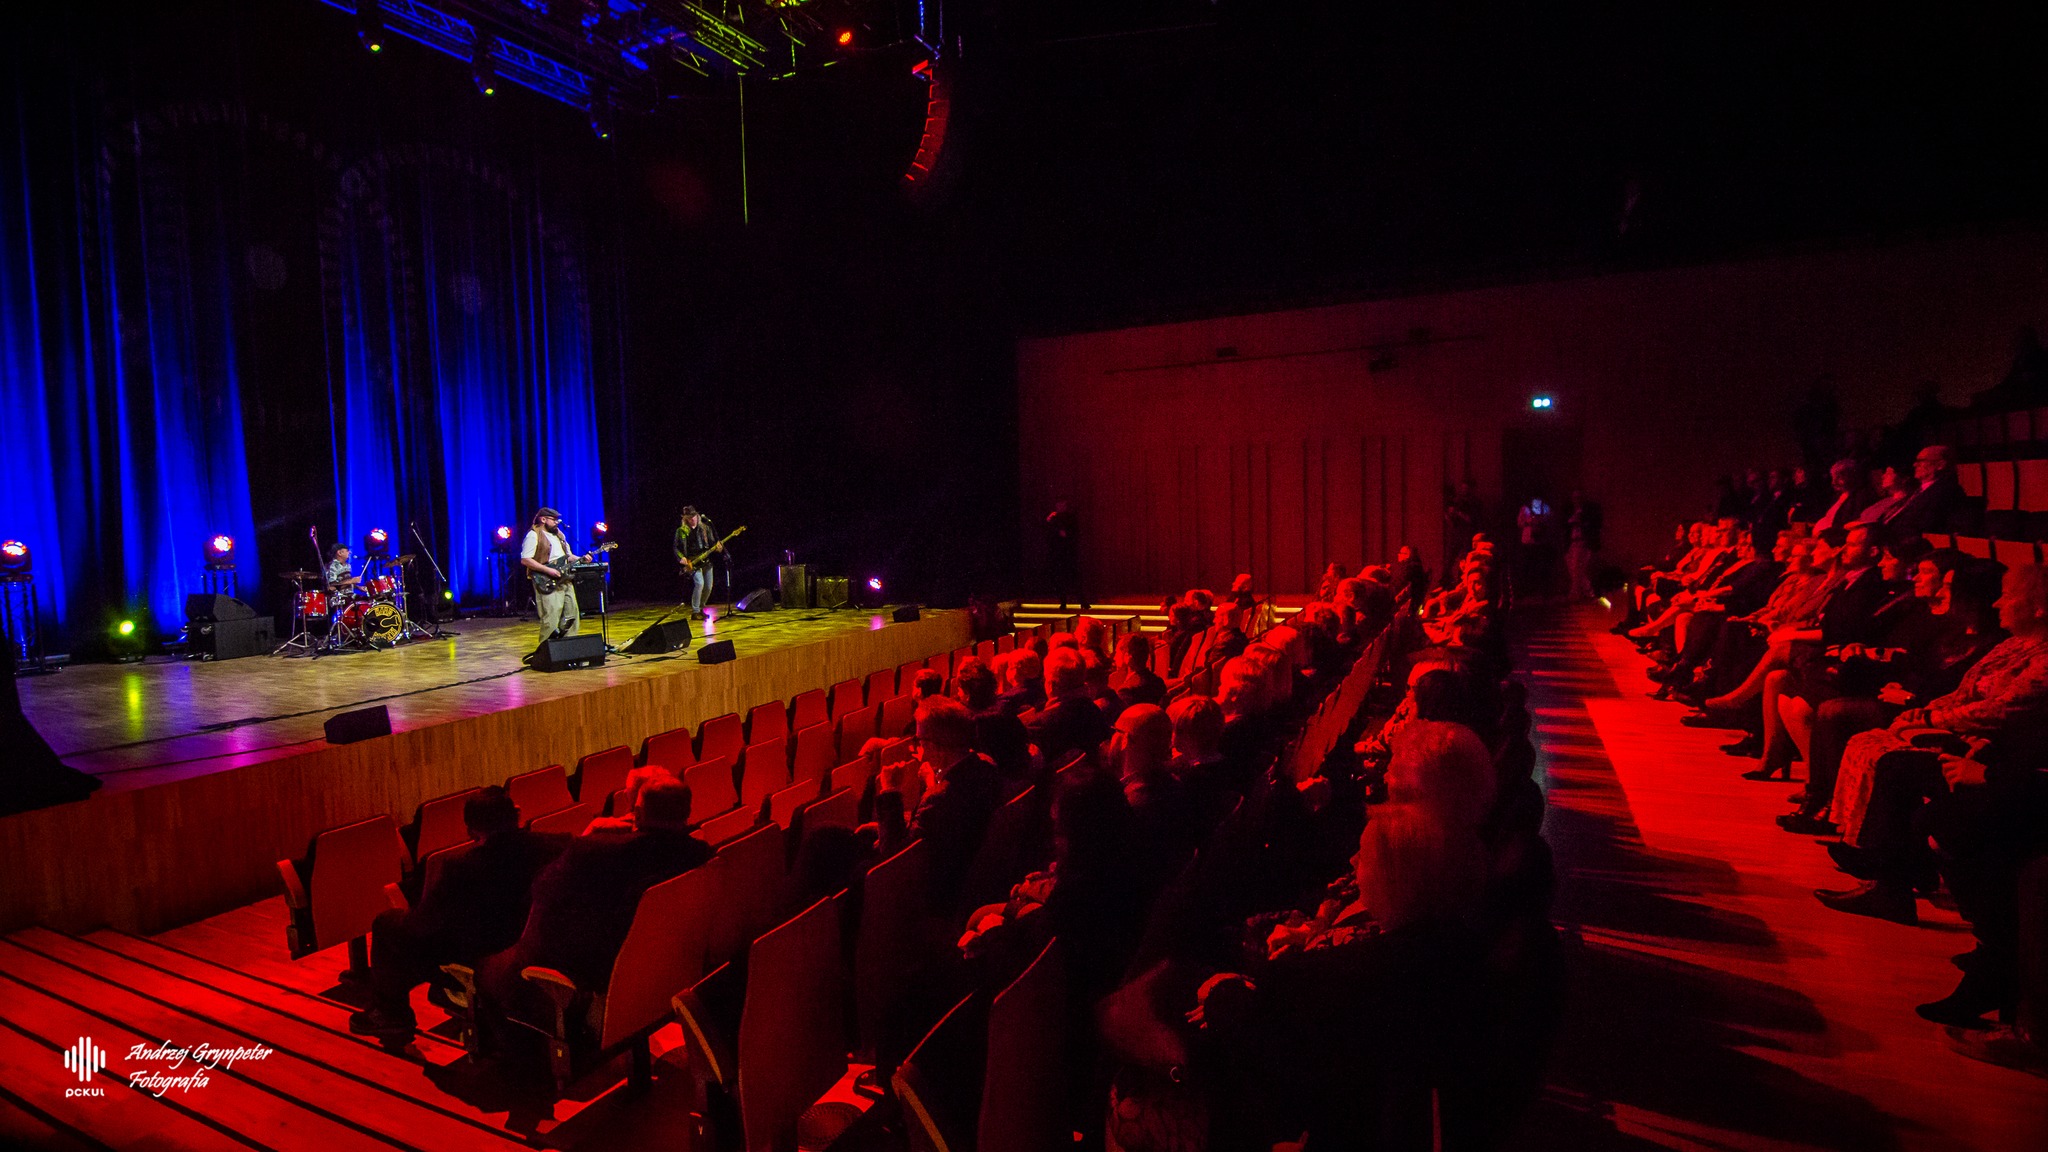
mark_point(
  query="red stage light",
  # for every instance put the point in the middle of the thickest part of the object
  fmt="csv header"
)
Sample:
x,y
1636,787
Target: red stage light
x,y
13,557
845,37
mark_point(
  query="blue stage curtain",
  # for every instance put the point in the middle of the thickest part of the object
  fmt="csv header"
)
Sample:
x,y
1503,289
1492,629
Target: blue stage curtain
x,y
366,359
29,375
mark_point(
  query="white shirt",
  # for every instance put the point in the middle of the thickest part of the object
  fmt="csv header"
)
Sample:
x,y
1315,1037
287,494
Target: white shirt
x,y
531,549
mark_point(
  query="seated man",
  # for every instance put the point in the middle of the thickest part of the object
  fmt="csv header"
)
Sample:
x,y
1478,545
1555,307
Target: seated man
x,y
1024,687
957,792
583,904
998,735
474,907
1133,678
1070,721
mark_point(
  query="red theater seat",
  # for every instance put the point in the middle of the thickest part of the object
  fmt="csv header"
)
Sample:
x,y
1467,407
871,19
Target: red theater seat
x,y
897,717
335,893
540,792
752,870
439,824
765,769
711,788
569,821
721,736
1023,1080
881,686
600,774
856,728
900,949
816,752
847,696
723,829
808,708
670,749
767,722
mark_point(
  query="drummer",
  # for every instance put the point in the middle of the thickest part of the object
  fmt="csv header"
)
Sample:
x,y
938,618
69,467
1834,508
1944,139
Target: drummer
x,y
340,577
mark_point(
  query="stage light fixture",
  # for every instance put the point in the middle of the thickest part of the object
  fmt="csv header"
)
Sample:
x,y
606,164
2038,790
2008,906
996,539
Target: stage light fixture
x,y
481,69
125,628
501,540
1542,403
376,544
220,551
370,24
601,117
845,38
14,558
874,583
600,532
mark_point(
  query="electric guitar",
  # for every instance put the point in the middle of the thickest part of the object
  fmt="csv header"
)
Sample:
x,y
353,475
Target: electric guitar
x,y
690,565
544,583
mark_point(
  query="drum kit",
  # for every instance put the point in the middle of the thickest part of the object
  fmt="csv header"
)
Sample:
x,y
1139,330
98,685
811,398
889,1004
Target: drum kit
x,y
371,615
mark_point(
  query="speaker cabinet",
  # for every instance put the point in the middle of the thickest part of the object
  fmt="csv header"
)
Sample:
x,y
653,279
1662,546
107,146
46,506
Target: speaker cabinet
x,y
716,652
759,600
571,652
795,582
228,638
214,606
666,636
362,724
906,614
832,592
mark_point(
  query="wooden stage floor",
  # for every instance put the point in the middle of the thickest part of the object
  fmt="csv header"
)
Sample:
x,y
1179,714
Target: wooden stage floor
x,y
1714,1004
134,725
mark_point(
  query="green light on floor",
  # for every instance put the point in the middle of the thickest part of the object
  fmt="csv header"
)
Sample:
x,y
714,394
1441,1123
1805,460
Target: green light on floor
x,y
447,595
125,627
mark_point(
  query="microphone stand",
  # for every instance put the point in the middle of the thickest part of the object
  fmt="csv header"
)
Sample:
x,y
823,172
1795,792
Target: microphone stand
x,y
434,613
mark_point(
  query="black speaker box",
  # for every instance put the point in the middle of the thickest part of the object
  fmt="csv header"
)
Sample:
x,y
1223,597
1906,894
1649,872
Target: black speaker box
x,y
213,606
906,614
570,652
832,592
716,652
759,600
229,637
666,636
362,724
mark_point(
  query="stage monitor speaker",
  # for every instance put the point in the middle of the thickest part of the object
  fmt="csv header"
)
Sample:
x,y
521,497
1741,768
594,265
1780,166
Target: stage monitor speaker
x,y
664,636
568,652
229,638
795,583
906,614
832,592
759,600
214,606
716,652
362,724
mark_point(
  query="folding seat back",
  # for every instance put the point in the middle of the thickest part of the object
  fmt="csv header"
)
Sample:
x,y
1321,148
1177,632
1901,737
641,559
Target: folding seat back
x,y
345,890
2013,553
856,728
765,770
751,870
894,752
670,749
847,697
854,774
767,722
897,717
899,950
2000,482
721,736
839,809
939,1083
808,708
1971,477
1976,546
1007,852
792,1044
602,773
816,753
439,824
663,954
985,651
881,686
1162,658
906,677
959,656
729,826
1023,1086
2019,427
540,792
1006,643
711,790
2032,495
783,804
569,821
431,866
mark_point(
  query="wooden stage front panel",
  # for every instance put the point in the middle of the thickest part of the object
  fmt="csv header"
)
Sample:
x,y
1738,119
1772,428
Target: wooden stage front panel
x,y
192,821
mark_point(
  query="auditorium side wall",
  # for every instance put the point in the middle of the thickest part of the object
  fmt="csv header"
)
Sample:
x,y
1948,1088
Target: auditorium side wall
x,y
1273,443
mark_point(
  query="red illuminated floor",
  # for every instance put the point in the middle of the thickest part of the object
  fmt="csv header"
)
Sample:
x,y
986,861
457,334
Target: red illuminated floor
x,y
1714,1003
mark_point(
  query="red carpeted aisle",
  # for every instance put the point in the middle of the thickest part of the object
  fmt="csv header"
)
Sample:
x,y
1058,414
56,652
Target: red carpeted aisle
x,y
1713,1003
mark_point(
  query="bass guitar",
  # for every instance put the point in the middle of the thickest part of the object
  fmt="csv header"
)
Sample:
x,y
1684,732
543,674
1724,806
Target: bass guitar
x,y
544,583
690,564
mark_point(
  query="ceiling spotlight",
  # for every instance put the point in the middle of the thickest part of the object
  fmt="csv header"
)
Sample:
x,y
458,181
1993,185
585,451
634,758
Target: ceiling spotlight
x,y
370,24
481,70
14,558
601,117
220,551
376,544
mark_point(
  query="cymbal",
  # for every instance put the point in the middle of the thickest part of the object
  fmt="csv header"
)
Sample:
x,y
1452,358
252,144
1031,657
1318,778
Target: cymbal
x,y
301,574
405,558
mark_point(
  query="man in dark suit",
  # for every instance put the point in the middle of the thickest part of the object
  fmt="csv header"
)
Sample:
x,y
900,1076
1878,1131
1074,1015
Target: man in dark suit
x,y
475,906
1070,720
998,734
583,904
1026,675
1850,615
953,789
1939,504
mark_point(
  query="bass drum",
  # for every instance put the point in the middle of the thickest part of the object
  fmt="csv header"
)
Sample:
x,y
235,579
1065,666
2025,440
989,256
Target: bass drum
x,y
373,622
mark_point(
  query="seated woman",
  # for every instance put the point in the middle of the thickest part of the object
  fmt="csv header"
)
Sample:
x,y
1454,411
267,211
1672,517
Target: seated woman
x,y
1997,714
1799,619
1923,657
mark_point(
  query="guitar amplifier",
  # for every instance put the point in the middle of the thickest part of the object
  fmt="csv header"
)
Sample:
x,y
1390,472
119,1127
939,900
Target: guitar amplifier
x,y
796,585
832,592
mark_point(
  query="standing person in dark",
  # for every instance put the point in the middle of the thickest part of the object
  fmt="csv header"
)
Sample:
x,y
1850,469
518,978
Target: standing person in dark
x,y
1584,522
1063,554
694,537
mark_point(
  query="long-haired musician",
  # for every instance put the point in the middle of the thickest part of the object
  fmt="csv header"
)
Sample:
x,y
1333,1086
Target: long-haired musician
x,y
544,554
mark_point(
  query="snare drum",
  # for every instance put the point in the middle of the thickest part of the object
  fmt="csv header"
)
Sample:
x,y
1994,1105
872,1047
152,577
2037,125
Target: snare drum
x,y
380,587
311,604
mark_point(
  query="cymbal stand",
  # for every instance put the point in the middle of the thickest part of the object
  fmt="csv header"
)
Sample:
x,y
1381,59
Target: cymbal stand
x,y
302,642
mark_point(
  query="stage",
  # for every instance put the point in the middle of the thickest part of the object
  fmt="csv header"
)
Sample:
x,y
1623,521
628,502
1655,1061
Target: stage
x,y
212,771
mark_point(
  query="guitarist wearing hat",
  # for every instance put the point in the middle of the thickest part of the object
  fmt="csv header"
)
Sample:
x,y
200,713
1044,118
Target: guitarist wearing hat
x,y
697,538
541,555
